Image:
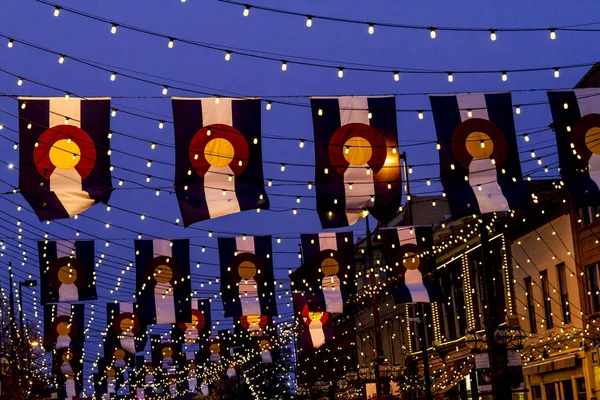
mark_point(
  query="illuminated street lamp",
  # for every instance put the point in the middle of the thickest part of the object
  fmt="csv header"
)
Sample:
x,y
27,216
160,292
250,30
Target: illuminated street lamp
x,y
476,342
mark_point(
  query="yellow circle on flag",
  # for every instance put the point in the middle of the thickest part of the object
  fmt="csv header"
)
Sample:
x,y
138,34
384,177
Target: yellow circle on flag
x,y
247,270
330,266
65,154
67,275
592,140
63,328
163,274
219,152
479,145
357,150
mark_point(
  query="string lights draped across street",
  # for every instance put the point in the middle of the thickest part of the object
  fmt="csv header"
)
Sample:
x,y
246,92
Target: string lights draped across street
x,y
187,203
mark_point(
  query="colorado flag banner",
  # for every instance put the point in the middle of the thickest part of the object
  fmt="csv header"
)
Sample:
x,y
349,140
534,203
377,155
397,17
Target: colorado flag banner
x,y
576,115
330,259
64,166
357,159
218,157
63,326
199,326
479,159
247,280
67,271
314,328
125,334
409,260
163,280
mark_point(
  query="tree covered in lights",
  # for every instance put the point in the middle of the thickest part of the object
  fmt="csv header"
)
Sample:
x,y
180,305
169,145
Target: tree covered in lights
x,y
28,374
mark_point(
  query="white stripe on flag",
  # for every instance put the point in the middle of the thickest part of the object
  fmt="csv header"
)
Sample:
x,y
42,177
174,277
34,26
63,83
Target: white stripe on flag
x,y
63,309
406,236
64,248
213,113
327,241
65,108
588,101
244,245
474,102
189,355
126,307
162,247
353,109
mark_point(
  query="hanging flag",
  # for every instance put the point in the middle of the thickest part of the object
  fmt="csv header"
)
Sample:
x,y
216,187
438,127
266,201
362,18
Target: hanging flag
x,y
70,385
213,350
265,345
247,280
146,374
67,365
330,259
125,335
357,159
218,157
191,372
67,271
63,326
576,116
410,262
479,158
110,378
200,325
315,328
163,281
166,354
252,326
64,166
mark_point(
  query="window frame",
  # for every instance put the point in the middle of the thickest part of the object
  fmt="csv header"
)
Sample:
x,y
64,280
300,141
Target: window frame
x,y
530,304
546,299
561,274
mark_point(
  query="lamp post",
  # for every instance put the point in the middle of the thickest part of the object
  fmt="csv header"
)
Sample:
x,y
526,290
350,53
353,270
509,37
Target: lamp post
x,y
27,283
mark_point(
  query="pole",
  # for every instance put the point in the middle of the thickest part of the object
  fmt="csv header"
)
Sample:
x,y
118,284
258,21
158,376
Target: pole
x,y
423,334
374,300
496,351
409,216
13,328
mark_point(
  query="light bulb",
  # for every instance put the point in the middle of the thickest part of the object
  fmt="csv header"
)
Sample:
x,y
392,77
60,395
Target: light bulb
x,y
526,137
217,99
161,124
269,183
56,11
246,11
113,29
149,163
556,73
493,35
340,72
20,81
61,59
394,150
432,33
153,146
301,144
518,109
23,105
227,55
469,113
148,177
171,43
308,21
420,114
552,34
450,77
309,186
566,106
113,76
396,76
371,29
428,182
282,167
369,115
284,65
67,95
482,144
350,187
504,76
320,112
298,199
10,43
113,112
532,154
268,106
255,140
165,90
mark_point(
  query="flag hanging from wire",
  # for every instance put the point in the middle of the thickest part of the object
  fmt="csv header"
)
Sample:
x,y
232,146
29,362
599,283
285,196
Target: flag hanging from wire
x,y
479,159
163,281
109,378
247,280
67,365
357,159
125,334
576,116
166,354
314,328
63,326
199,327
410,263
330,259
64,162
219,158
213,350
67,271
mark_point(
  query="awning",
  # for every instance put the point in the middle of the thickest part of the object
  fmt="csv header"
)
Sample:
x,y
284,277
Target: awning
x,y
552,365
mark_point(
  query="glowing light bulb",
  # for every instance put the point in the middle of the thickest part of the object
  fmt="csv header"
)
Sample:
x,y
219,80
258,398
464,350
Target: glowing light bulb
x,y
482,144
113,112
308,21
153,146
165,90
246,11
10,43
432,33
518,109
301,144
420,114
450,77
340,72
310,186
255,140
532,154
493,35
371,29
217,99
320,112
20,82
469,113
61,59
369,115
552,34
171,43
556,73
161,124
270,183
396,76
113,29
566,106
282,167
526,137
504,76
67,95
268,106
56,11
438,146
113,76
394,150
149,163
284,65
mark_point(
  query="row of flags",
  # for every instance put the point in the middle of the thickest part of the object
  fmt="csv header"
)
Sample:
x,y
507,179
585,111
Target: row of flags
x,y
65,154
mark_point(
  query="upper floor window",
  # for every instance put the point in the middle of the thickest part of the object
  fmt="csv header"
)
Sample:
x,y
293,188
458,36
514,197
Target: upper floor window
x,y
594,285
530,305
547,299
561,272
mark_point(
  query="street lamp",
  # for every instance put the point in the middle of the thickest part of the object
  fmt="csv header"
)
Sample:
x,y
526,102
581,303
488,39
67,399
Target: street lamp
x,y
475,341
385,369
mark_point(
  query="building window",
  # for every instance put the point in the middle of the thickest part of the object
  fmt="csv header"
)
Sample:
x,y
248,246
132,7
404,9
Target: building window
x,y
547,300
536,392
593,282
561,272
530,305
